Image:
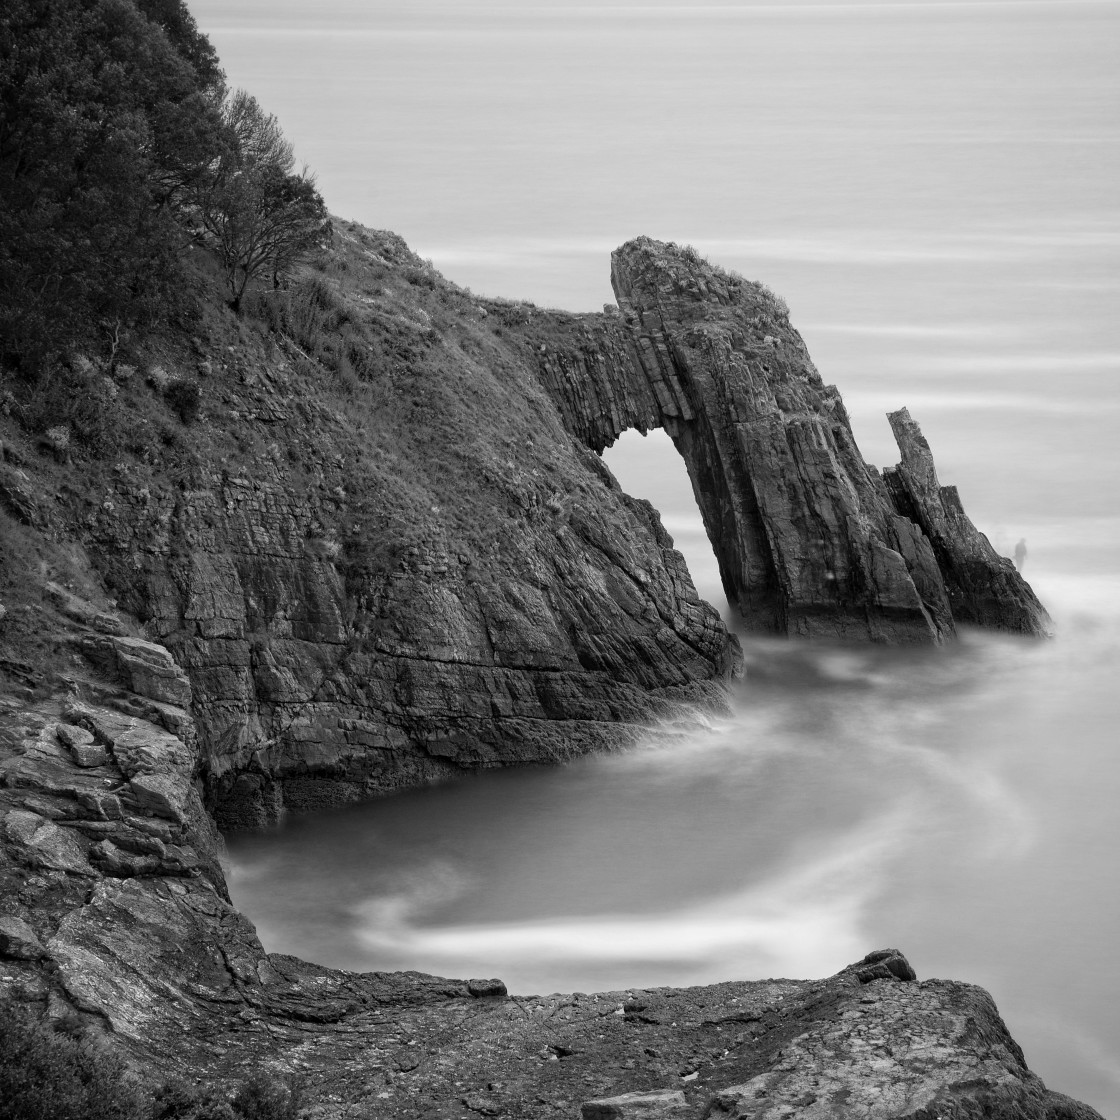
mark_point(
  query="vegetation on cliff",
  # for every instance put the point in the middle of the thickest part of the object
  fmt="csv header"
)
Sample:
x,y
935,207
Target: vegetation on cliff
x,y
120,150
61,1071
286,519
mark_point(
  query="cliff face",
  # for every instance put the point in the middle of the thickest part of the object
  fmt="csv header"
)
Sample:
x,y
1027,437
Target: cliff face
x,y
383,574
387,550
117,917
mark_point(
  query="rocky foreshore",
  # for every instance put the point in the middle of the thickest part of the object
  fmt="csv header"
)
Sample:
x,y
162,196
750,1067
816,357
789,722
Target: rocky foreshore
x,y
117,913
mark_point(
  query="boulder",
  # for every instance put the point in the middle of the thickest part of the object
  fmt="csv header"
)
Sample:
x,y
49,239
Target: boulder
x,y
18,940
152,671
86,751
162,794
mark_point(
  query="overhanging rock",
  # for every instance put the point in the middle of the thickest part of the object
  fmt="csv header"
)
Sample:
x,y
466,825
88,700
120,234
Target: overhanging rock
x,y
811,541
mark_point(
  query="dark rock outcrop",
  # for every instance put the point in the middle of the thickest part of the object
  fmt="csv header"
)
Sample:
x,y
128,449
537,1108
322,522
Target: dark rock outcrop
x,y
370,589
117,918
983,588
810,540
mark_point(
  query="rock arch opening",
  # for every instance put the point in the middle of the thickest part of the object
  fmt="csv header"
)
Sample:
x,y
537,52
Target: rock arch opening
x,y
650,467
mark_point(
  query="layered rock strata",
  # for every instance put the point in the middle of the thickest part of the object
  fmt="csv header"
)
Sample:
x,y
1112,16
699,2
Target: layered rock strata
x,y
323,590
983,588
117,920
811,541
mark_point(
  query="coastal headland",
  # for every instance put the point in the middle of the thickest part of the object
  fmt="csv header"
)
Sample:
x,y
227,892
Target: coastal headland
x,y
380,549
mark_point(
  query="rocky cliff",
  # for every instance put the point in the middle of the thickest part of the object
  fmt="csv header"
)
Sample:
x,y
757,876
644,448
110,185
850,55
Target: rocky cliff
x,y
360,538
377,553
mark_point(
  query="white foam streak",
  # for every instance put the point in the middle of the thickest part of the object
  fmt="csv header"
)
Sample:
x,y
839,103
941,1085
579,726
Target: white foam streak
x,y
1077,597
1010,829
1016,362
811,913
289,19
919,331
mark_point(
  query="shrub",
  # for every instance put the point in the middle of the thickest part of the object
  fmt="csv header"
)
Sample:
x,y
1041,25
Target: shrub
x,y
48,1075
159,379
59,1073
779,303
176,1100
58,440
77,397
185,397
318,319
262,1097
259,1097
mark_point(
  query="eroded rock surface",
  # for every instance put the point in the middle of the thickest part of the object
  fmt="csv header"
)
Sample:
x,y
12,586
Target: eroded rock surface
x,y
363,592
983,587
116,912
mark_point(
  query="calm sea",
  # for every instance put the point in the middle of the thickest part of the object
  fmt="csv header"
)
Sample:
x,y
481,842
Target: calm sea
x,y
935,189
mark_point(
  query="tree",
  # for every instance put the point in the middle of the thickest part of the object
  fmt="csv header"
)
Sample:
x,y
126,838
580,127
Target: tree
x,y
104,124
183,34
258,216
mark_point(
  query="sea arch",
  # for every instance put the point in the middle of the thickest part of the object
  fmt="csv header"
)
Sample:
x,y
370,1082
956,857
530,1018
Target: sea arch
x,y
810,540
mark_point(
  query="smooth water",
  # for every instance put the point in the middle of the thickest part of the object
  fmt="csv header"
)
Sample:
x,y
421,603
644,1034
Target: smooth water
x,y
932,185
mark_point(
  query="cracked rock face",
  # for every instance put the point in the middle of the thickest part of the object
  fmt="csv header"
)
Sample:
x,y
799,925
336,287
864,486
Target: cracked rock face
x,y
983,588
378,596
117,912
450,578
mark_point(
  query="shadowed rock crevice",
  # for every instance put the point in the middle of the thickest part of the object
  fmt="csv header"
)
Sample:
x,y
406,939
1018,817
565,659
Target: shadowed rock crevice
x,y
810,540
